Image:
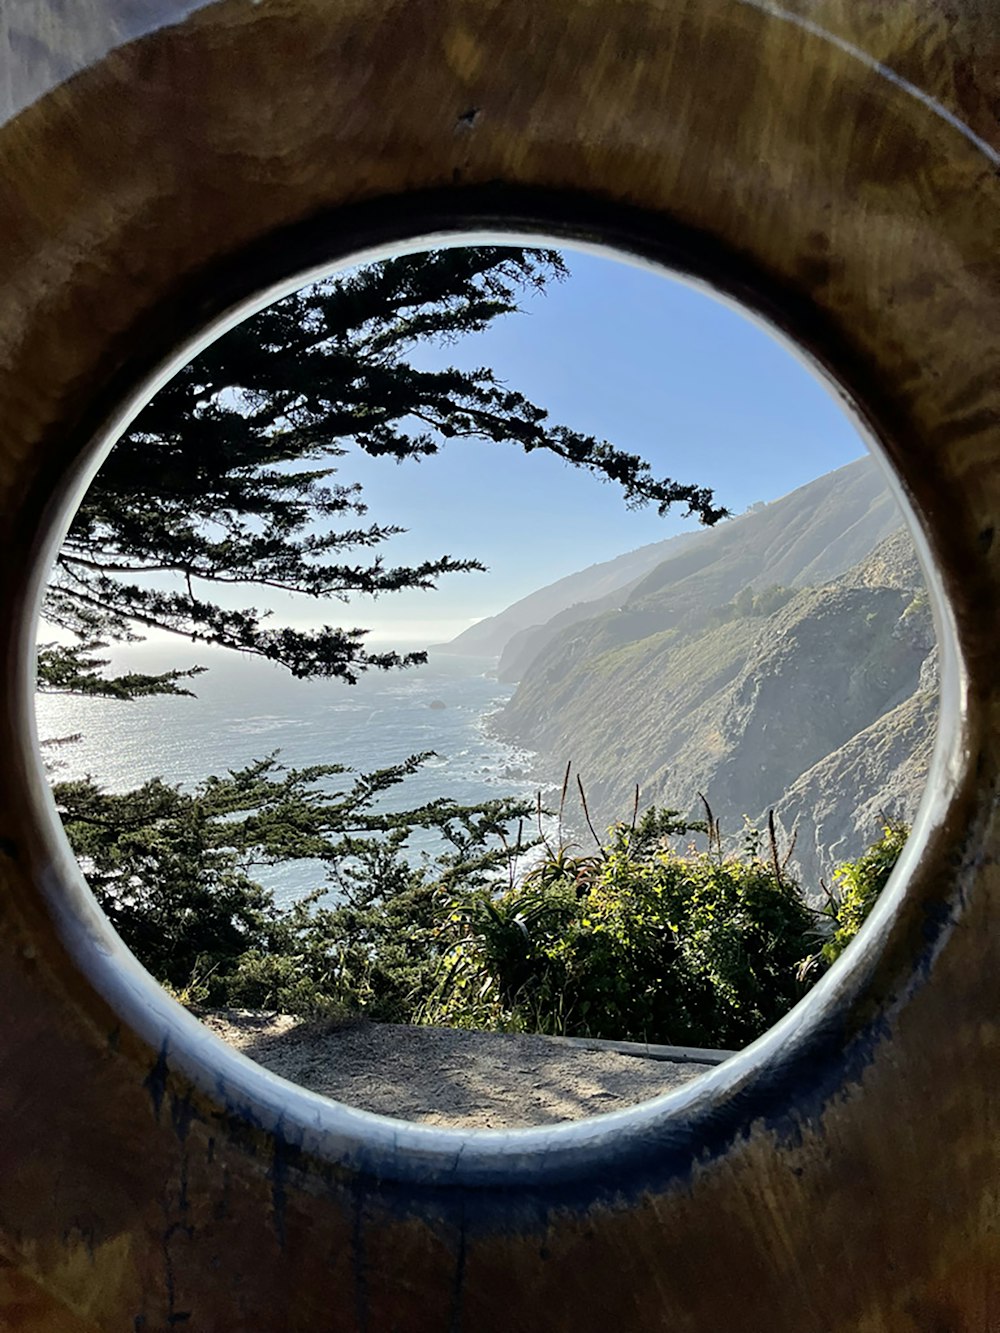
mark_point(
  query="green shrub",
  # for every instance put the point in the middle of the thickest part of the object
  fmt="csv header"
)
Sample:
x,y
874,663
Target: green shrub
x,y
638,940
175,873
859,884
641,942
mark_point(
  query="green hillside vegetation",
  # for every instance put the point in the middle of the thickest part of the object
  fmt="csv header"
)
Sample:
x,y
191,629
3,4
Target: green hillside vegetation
x,y
176,873
644,941
760,699
657,935
588,591
805,538
808,536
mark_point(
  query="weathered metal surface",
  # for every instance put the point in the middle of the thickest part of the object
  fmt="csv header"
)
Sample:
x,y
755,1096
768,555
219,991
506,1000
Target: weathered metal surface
x,y
832,164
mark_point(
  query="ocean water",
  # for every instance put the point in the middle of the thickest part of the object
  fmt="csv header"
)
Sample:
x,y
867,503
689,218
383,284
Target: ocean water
x,y
246,709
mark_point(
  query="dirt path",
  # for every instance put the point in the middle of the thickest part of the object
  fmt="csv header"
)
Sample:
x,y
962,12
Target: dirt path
x,y
447,1076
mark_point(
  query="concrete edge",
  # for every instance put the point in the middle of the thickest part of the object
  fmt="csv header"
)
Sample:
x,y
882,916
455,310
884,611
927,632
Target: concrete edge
x,y
684,1055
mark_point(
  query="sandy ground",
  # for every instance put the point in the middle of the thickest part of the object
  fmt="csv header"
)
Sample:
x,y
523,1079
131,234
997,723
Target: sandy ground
x,y
447,1076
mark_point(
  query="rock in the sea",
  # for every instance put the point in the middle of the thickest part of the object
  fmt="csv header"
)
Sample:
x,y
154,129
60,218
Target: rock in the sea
x,y
437,703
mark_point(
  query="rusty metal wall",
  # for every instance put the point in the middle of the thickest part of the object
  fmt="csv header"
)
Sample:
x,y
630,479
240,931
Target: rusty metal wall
x,y
832,164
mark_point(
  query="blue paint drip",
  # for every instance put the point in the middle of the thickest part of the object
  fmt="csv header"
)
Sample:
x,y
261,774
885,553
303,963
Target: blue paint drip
x,y
155,1081
284,1152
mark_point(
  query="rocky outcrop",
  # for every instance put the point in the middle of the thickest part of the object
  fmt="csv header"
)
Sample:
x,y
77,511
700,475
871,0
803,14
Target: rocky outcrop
x,y
839,805
821,709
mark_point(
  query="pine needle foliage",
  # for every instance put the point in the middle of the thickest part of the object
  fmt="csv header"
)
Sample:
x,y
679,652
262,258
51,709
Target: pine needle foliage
x,y
178,875
228,479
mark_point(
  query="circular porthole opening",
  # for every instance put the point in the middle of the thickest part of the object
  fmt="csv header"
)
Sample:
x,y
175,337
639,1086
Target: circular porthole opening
x,y
436,775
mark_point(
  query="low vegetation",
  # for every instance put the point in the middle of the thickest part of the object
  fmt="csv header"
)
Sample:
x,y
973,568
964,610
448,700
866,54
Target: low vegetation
x,y
659,934
648,941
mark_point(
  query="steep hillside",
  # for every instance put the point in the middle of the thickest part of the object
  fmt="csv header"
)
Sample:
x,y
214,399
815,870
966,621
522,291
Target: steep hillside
x,y
597,584
522,648
807,537
839,805
809,701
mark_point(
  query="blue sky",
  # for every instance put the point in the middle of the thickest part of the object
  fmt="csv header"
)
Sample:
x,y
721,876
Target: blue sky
x,y
654,365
